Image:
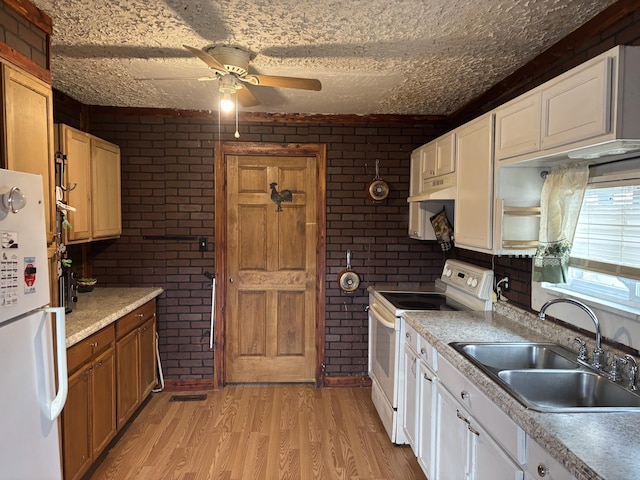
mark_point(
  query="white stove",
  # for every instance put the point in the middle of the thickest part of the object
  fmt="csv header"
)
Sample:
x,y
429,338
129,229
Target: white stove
x,y
461,286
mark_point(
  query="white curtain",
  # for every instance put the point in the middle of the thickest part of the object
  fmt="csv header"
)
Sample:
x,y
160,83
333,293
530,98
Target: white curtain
x,y
560,203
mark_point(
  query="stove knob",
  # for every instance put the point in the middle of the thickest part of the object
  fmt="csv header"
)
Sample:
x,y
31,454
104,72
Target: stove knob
x,y
474,282
469,280
447,272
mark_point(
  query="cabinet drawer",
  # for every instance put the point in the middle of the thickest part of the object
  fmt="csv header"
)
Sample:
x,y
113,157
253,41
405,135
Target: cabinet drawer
x,y
81,352
134,319
540,464
411,337
427,353
511,437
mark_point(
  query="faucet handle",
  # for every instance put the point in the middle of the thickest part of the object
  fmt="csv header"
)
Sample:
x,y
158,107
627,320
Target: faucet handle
x,y
582,353
633,372
614,374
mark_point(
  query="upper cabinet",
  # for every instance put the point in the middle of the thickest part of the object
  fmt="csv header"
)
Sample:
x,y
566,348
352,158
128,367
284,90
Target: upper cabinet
x,y
589,112
27,128
473,226
92,179
431,186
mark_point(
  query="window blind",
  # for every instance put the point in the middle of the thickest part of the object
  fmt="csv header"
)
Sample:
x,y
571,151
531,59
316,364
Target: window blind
x,y
607,238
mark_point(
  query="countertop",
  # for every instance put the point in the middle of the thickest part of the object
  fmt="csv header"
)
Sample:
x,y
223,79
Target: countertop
x,y
592,446
103,306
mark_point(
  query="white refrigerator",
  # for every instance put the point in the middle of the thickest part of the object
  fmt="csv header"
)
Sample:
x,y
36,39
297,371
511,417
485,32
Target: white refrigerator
x,y
32,337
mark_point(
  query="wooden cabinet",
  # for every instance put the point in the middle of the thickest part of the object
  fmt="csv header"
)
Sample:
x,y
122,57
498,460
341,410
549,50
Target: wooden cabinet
x,y
27,131
89,415
92,175
135,359
474,203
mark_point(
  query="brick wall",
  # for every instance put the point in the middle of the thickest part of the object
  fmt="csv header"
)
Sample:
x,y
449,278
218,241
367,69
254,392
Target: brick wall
x,y
19,33
168,189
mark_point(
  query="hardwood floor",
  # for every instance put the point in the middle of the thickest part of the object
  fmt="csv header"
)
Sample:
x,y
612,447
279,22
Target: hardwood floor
x,y
260,432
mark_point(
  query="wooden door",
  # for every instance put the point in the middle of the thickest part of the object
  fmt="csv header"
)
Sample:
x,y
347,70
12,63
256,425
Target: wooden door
x,y
147,357
76,145
103,401
127,376
106,210
75,425
271,268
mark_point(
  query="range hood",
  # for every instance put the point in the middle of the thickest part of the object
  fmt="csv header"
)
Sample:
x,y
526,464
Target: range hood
x,y
443,187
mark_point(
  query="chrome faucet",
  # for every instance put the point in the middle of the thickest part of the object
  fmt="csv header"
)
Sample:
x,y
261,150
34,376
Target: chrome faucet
x,y
597,352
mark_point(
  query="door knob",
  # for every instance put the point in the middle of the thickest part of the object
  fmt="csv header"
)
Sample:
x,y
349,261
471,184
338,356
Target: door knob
x,y
231,280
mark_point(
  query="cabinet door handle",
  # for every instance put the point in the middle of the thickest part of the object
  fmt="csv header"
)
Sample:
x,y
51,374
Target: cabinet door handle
x,y
139,315
473,430
464,394
427,378
461,417
407,336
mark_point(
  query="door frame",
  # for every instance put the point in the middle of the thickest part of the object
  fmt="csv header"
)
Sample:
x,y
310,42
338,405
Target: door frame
x,y
224,149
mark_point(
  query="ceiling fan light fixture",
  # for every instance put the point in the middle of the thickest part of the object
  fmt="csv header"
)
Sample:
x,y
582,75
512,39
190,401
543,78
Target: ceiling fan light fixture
x,y
227,91
226,102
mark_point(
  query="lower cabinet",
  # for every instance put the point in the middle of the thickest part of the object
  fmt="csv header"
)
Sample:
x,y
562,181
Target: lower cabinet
x,y
135,359
89,415
426,419
110,374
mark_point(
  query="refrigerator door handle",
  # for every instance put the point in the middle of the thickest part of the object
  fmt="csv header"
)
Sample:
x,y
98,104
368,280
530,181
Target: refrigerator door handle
x,y
61,355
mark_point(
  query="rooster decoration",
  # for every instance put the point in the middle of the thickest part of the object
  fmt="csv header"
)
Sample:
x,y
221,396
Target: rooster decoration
x,y
279,197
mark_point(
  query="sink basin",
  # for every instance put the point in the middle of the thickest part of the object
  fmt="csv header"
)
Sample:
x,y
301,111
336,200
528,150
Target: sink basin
x,y
568,391
547,378
517,356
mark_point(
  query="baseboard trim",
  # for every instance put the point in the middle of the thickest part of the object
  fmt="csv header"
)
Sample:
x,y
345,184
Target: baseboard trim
x,y
188,385
347,382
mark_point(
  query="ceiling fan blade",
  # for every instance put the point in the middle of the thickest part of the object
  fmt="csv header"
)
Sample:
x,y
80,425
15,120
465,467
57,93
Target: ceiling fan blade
x,y
208,59
246,98
284,82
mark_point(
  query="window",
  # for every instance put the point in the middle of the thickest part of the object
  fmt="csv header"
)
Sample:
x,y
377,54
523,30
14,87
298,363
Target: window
x,y
605,258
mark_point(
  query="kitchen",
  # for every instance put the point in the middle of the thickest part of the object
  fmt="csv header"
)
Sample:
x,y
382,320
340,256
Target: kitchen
x,y
384,255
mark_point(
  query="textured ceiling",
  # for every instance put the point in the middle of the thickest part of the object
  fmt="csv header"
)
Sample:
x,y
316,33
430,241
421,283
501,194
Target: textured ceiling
x,y
420,57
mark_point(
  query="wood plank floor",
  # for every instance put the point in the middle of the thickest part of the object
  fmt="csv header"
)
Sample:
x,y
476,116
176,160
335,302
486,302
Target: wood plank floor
x,y
260,432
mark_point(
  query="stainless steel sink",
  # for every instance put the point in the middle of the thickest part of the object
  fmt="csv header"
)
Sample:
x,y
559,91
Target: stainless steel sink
x,y
517,356
568,391
547,378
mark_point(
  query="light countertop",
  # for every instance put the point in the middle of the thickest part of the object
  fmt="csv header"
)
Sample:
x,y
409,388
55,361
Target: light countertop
x,y
592,446
103,306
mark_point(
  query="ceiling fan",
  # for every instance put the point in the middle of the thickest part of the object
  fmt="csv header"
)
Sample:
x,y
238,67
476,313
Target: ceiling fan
x,y
231,66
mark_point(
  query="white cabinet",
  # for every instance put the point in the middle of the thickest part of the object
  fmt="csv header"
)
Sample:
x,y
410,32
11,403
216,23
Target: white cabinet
x,y
518,126
475,437
541,465
578,105
454,447
426,432
418,405
429,163
474,203
596,103
411,401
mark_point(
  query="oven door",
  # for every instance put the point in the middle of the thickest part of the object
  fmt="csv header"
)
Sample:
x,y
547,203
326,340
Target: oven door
x,y
384,351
